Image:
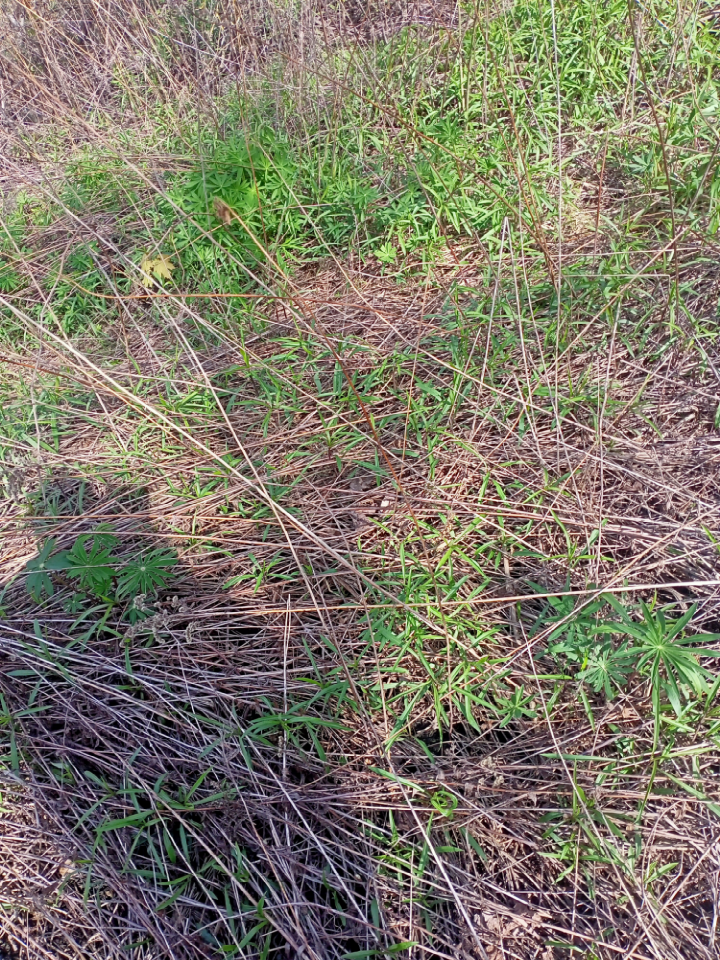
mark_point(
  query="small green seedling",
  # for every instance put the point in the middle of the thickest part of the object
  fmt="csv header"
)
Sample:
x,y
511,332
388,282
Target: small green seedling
x,y
38,581
91,563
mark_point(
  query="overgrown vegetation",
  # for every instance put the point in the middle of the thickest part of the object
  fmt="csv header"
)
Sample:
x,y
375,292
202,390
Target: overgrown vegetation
x,y
359,456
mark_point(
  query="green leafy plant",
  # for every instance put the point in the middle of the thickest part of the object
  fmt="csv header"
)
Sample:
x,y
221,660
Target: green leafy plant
x,y
89,561
573,637
663,653
150,572
515,707
386,253
38,580
261,572
607,667
573,642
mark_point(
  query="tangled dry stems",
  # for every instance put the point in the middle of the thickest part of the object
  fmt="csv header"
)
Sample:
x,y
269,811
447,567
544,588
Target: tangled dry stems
x,y
216,655
159,723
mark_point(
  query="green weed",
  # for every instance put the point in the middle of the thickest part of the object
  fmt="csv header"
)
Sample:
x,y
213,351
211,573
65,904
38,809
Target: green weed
x,y
98,573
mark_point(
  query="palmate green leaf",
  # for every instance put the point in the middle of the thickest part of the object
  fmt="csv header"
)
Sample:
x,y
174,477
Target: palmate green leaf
x,y
669,663
607,668
93,565
665,656
103,537
38,581
147,574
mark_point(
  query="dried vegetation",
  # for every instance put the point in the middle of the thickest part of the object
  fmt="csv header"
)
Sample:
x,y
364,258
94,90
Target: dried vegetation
x,y
395,534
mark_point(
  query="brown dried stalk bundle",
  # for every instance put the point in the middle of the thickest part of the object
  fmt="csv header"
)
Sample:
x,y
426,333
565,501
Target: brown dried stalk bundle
x,y
231,770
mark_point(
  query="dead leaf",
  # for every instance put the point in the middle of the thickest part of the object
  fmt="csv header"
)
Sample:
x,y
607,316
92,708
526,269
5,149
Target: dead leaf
x,y
223,211
161,267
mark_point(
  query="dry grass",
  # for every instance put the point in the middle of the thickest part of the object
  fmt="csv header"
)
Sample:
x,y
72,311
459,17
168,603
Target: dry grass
x,y
340,728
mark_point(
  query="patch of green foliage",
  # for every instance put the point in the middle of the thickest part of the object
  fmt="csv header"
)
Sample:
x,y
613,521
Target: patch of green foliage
x,y
653,645
97,573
